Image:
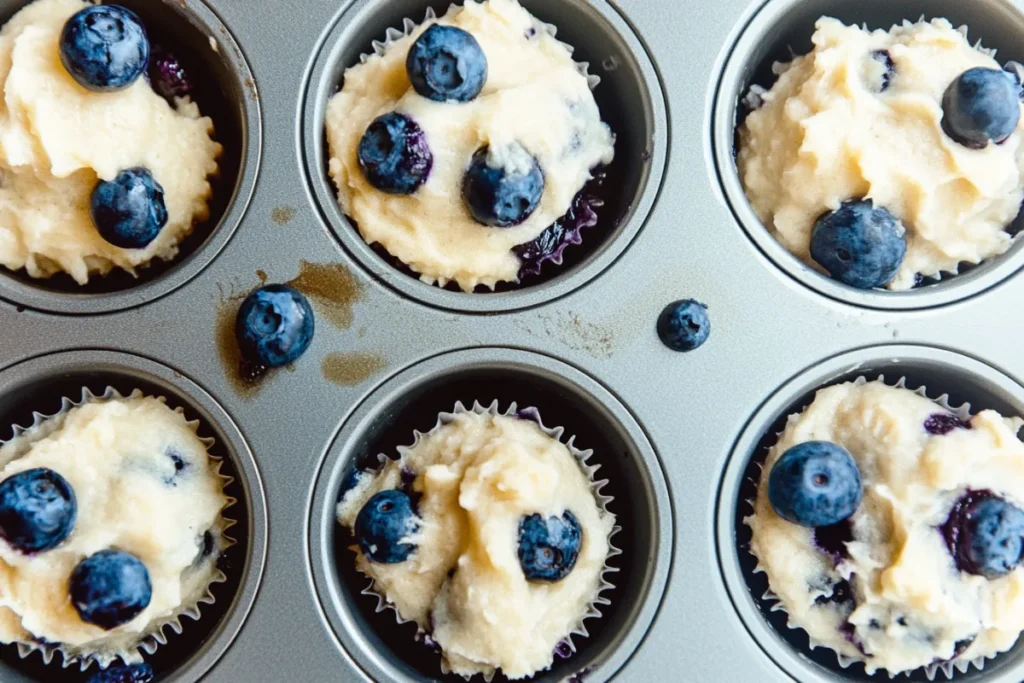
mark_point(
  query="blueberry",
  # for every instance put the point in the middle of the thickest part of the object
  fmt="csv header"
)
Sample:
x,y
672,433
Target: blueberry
x,y
274,326
394,154
684,325
814,484
104,47
110,588
981,105
446,64
859,244
384,522
885,59
124,673
505,194
37,510
992,539
548,548
943,423
129,211
167,75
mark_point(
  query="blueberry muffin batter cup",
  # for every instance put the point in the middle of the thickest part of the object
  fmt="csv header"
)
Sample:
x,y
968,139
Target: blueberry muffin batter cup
x,y
362,481
834,545
195,580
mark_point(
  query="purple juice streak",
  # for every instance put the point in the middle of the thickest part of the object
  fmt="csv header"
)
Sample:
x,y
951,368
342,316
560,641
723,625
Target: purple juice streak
x,y
943,423
954,529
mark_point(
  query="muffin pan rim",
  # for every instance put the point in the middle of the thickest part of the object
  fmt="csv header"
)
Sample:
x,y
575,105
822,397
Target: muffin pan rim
x,y
772,645
317,88
339,618
214,418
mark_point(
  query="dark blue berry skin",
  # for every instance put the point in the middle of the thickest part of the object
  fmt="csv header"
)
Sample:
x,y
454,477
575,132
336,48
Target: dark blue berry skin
x,y
104,48
859,244
383,523
981,106
110,588
446,64
940,424
394,155
167,76
684,325
885,59
274,326
497,197
131,673
815,484
37,510
548,548
991,540
129,211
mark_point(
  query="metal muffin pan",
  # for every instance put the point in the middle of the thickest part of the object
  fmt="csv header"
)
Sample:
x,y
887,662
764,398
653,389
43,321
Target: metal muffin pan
x,y
672,427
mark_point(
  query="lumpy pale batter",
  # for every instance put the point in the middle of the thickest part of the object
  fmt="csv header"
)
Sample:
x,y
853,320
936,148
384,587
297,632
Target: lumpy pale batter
x,y
534,95
904,604
827,133
57,140
479,476
119,456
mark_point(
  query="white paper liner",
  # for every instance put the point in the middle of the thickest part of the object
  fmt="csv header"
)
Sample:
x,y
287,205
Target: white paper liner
x,y
155,635
596,485
963,412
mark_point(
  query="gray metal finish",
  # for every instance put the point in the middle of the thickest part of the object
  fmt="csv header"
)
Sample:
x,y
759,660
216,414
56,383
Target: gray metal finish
x,y
587,336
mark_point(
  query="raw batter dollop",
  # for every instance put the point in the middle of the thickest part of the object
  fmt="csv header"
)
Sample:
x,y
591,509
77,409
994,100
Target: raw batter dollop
x,y
534,95
478,476
883,587
57,139
838,125
144,485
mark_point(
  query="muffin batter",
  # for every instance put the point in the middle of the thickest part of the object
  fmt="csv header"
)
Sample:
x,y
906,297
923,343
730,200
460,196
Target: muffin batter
x,y
839,125
57,140
883,587
144,485
478,476
534,95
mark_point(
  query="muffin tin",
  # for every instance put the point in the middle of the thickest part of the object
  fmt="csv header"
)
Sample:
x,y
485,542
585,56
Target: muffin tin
x,y
675,432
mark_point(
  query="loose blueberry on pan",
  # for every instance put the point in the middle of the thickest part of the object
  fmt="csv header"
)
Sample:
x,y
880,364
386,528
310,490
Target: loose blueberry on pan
x,y
274,326
815,484
129,211
382,526
446,64
104,48
499,196
985,534
549,547
110,588
37,510
394,154
130,673
684,325
859,244
981,106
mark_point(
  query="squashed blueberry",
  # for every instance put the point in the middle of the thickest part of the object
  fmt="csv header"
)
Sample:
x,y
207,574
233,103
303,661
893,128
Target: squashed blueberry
x,y
548,547
394,154
506,193
129,211
167,75
885,59
981,106
551,244
684,325
815,483
104,47
985,534
859,244
274,326
383,524
124,673
943,423
446,64
37,510
110,588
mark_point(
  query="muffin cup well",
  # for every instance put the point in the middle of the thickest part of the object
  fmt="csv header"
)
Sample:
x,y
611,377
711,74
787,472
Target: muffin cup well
x,y
969,383
148,642
782,29
409,401
43,384
581,457
630,100
225,91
